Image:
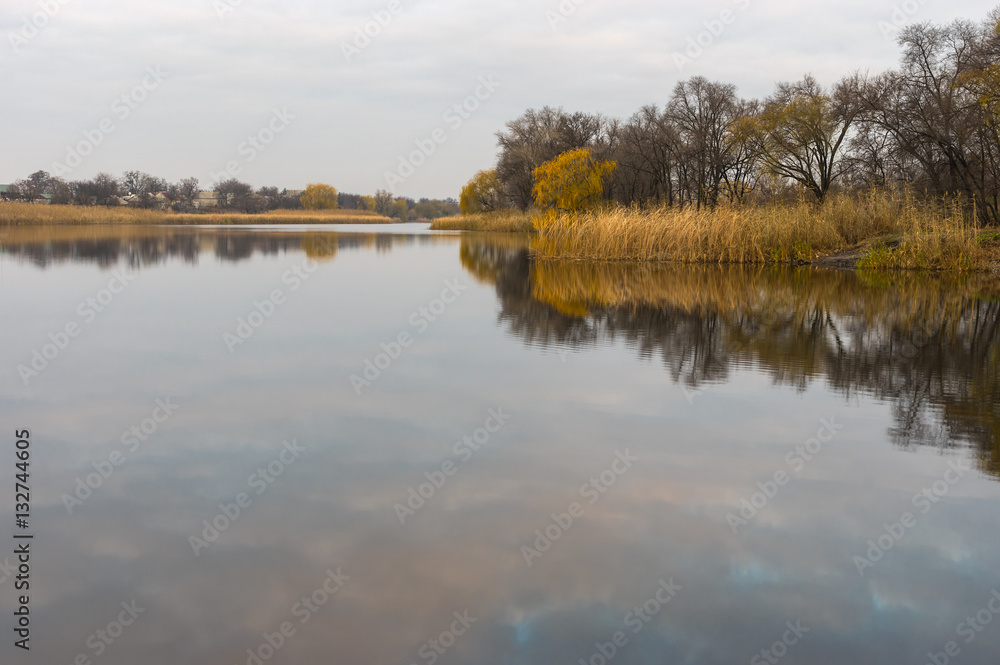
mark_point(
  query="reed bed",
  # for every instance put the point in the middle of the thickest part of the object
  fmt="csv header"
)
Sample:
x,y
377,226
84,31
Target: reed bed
x,y
285,217
886,230
28,214
506,221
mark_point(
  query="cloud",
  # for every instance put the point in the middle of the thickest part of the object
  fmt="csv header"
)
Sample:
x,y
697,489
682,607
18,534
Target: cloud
x,y
354,119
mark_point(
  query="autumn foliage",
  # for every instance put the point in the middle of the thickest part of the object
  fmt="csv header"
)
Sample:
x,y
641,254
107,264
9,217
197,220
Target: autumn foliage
x,y
571,183
319,197
481,194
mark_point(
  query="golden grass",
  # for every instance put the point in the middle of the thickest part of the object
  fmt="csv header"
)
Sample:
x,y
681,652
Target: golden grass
x,y
503,220
288,217
23,214
916,234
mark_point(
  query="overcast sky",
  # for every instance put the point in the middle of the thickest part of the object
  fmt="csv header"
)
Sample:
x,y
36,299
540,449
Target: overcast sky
x,y
227,70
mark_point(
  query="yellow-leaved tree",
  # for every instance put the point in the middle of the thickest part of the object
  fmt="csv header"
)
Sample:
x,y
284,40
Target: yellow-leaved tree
x,y
481,194
319,197
571,183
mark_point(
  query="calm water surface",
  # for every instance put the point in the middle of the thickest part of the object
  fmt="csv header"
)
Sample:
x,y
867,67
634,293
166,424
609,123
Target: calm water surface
x,y
693,458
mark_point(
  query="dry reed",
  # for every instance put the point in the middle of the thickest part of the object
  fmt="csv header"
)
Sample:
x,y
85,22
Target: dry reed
x,y
501,221
888,230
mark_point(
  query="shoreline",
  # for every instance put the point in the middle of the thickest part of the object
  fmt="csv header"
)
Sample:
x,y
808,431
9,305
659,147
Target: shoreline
x,y
845,260
876,232
21,215
937,242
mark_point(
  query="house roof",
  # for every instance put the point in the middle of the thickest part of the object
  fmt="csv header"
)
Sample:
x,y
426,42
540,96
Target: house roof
x,y
4,189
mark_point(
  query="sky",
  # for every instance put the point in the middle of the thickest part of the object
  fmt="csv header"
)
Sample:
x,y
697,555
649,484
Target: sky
x,y
404,95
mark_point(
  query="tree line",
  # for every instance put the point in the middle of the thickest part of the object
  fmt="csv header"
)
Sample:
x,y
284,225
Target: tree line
x,y
142,190
931,125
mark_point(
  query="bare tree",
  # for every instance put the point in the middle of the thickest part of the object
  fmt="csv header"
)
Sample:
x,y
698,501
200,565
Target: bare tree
x,y
189,190
33,187
59,192
647,153
703,112
238,196
142,188
930,112
802,131
105,189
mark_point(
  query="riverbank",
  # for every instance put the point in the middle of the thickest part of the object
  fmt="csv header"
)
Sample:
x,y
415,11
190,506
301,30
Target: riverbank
x,y
505,221
876,231
29,214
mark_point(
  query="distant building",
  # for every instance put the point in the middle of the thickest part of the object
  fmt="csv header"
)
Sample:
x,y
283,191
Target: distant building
x,y
206,200
296,193
6,194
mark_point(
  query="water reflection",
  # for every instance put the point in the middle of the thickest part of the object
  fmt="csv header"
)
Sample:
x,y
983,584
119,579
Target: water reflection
x,y
144,246
777,352
929,345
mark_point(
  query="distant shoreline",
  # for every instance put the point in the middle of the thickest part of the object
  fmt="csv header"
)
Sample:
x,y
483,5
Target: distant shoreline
x,y
35,214
790,234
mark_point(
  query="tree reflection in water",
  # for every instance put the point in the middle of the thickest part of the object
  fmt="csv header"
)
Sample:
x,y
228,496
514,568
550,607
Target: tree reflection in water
x,y
927,345
143,246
